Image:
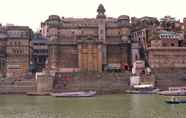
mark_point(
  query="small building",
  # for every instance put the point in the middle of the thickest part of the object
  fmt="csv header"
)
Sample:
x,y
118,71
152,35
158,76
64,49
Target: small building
x,y
3,39
40,52
18,51
171,39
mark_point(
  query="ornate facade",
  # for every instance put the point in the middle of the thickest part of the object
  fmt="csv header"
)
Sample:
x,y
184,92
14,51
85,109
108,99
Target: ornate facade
x,y
82,44
15,50
18,51
39,53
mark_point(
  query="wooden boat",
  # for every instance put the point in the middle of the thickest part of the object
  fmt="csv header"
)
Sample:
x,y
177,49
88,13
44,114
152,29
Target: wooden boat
x,y
174,91
174,100
38,93
75,94
145,91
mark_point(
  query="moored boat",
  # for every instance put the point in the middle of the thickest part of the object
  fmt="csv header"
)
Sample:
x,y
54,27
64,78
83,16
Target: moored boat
x,y
142,91
75,94
174,91
174,100
38,93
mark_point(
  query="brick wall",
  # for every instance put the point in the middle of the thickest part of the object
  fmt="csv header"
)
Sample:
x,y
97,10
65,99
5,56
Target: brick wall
x,y
167,57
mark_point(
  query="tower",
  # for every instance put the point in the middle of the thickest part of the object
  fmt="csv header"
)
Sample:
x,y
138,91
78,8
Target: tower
x,y
184,23
101,23
101,18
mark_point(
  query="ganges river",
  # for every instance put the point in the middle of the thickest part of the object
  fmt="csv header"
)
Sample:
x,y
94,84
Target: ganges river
x,y
103,106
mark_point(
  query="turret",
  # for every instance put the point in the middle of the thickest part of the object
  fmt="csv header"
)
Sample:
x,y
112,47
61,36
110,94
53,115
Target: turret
x,y
101,11
101,18
123,20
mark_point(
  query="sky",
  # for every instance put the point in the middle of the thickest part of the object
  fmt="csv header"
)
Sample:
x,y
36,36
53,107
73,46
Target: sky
x,y
32,12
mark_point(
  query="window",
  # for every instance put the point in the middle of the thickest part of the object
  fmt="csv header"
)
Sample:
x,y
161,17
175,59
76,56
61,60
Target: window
x,y
101,31
172,44
19,43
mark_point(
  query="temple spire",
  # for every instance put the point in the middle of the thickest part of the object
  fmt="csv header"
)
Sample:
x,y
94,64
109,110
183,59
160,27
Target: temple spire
x,y
101,11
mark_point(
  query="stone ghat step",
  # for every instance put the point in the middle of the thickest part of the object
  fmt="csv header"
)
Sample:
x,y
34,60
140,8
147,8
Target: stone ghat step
x,y
94,75
17,89
92,81
24,83
165,84
11,81
16,86
98,85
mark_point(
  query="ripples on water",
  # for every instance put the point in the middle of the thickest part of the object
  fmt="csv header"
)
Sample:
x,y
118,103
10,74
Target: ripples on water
x,y
109,106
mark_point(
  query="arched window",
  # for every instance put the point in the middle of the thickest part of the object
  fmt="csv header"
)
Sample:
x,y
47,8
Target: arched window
x,y
172,44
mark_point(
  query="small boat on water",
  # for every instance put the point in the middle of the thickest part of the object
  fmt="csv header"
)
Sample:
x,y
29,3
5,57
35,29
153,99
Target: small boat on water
x,y
174,91
75,94
142,91
174,100
37,93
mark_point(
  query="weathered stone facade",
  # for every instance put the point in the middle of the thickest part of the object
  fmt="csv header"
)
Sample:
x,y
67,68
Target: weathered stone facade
x,y
167,57
15,50
39,53
3,39
18,51
82,44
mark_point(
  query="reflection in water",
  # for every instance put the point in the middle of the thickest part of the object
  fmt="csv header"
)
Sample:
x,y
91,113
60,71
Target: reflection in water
x,y
135,106
108,106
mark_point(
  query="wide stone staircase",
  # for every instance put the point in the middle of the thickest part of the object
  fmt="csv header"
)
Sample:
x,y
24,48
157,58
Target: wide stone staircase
x,y
12,86
101,82
165,80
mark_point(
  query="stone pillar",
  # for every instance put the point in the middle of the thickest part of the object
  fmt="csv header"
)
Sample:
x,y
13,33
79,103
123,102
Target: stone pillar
x,y
102,37
104,53
44,83
100,61
79,56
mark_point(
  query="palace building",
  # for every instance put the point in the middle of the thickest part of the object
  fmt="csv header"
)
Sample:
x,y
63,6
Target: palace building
x,y
87,44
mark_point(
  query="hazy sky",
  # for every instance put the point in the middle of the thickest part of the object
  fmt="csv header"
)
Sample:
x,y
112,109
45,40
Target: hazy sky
x,y
32,12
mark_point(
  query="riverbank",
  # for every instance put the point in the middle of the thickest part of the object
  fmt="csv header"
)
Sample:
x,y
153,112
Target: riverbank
x,y
103,83
12,86
170,78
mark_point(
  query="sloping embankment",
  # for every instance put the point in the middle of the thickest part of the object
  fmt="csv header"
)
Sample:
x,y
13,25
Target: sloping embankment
x,y
167,79
101,82
11,86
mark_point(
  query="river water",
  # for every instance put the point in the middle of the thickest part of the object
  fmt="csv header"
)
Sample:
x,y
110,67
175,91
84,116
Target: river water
x,y
104,106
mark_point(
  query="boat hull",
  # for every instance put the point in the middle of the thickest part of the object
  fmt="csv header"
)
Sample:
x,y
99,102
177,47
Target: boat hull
x,y
176,102
174,91
166,93
75,94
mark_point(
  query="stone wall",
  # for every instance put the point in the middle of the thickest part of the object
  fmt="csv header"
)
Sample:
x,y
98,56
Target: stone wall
x,y
44,85
101,82
167,57
11,86
170,78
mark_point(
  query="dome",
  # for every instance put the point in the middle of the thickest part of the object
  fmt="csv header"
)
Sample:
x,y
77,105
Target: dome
x,y
54,17
123,17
